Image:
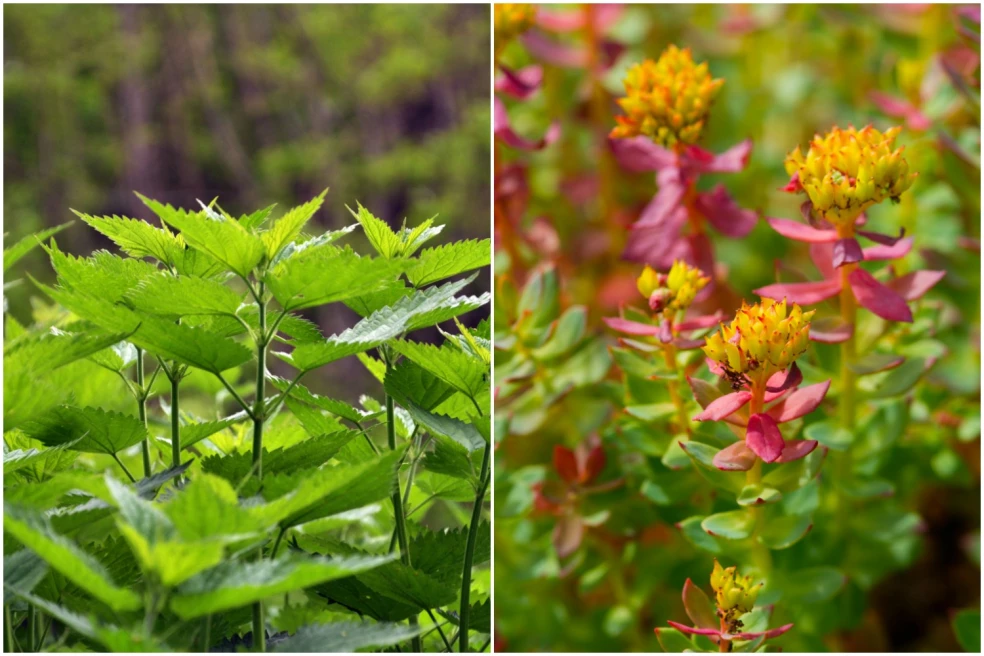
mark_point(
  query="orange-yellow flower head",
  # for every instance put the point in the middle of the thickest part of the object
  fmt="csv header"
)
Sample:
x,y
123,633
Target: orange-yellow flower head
x,y
511,20
844,172
667,100
735,595
671,292
763,339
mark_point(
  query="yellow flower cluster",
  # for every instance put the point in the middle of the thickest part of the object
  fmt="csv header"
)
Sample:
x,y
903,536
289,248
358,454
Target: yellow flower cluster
x,y
511,20
667,100
846,171
763,339
735,595
672,292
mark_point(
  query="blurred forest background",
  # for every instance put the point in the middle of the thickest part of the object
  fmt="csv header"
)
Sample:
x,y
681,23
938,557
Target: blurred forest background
x,y
387,105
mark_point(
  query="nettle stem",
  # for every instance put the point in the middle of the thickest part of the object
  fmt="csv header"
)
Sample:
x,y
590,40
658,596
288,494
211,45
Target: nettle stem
x,y
142,412
465,611
398,514
259,415
175,379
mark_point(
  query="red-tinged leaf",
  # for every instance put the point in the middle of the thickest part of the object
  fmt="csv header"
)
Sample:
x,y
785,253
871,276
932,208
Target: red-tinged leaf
x,y
543,502
846,251
794,186
594,464
830,330
878,298
565,462
698,606
659,246
520,84
573,20
733,160
640,154
671,191
784,380
763,437
900,108
875,362
504,132
800,403
914,285
803,293
699,323
879,238
901,248
796,449
768,635
724,214
801,232
567,534
694,630
715,367
665,332
630,327
553,52
823,258
688,344
723,406
736,457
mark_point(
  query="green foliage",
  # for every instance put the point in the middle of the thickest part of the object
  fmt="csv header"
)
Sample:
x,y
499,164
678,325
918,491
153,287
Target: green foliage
x,y
214,528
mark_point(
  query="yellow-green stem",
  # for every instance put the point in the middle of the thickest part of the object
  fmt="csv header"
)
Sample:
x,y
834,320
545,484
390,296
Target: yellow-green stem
x,y
669,356
761,555
142,411
259,415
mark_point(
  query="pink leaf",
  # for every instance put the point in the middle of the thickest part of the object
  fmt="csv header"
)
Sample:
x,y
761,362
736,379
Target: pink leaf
x,y
803,293
784,380
763,437
658,246
698,160
801,231
794,186
520,84
631,327
830,330
736,457
796,449
823,257
878,298
698,606
688,344
800,403
901,248
723,406
698,323
914,285
690,629
504,132
846,251
671,191
771,633
640,154
724,213
879,238
553,52
572,20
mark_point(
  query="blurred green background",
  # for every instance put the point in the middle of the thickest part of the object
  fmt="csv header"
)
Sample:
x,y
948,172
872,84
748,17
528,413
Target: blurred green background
x,y
790,71
387,105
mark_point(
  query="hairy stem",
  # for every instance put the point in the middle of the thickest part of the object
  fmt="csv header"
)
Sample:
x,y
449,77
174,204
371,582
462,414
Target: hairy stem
x,y
259,625
142,412
8,628
466,572
175,424
401,520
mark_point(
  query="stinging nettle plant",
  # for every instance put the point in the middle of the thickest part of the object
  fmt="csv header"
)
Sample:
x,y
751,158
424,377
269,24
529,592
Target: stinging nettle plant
x,y
290,516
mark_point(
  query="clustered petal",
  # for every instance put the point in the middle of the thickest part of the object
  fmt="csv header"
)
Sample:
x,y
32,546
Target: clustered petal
x,y
763,339
671,292
667,100
846,171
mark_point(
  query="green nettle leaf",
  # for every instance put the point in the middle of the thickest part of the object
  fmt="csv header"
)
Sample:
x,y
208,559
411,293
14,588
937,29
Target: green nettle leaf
x,y
208,508
177,296
23,570
189,345
227,241
13,254
285,229
233,584
409,383
448,260
465,434
388,294
192,434
255,220
461,371
309,454
87,429
53,350
68,559
137,238
334,406
103,274
117,357
391,244
38,460
342,637
327,274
